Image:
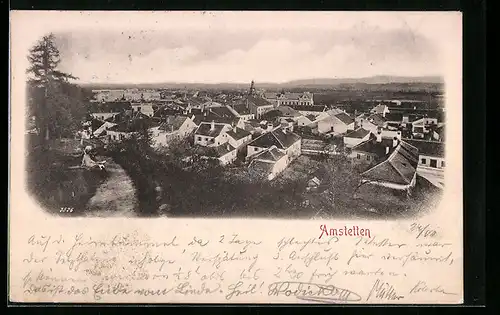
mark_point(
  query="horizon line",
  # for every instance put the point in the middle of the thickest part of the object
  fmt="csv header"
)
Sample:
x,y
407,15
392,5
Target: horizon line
x,y
265,82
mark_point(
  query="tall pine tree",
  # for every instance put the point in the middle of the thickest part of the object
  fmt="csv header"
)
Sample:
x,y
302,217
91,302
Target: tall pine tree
x,y
52,95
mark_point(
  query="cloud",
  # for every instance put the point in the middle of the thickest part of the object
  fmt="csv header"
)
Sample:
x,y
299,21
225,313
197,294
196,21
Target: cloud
x,y
275,56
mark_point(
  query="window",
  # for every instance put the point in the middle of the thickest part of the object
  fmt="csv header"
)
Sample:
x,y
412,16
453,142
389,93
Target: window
x,y
199,138
358,156
256,149
423,161
442,164
433,163
368,158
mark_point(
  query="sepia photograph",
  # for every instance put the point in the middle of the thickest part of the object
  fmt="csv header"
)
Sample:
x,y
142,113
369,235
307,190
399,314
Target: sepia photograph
x,y
236,157
278,123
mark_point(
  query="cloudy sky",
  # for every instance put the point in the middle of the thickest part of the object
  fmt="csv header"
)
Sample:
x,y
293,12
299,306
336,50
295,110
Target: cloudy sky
x,y
266,47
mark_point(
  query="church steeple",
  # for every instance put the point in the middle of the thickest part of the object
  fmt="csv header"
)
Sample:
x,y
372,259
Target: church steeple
x,y
252,88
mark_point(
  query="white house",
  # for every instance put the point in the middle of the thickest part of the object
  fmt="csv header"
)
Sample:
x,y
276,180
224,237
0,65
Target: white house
x,y
380,109
242,111
432,162
336,124
371,122
269,163
286,142
422,126
173,127
104,127
355,137
238,137
258,106
211,134
375,149
145,108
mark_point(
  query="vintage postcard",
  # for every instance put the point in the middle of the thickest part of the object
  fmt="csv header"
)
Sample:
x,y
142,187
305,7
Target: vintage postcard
x,y
236,157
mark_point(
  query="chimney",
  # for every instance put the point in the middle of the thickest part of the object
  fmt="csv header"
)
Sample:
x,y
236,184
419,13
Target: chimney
x,y
379,136
386,150
212,126
269,126
228,146
399,135
394,142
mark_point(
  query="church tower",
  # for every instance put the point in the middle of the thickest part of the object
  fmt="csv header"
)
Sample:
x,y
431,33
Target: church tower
x,y
252,88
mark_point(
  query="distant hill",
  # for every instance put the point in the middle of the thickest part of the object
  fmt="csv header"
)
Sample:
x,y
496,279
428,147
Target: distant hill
x,y
309,83
368,80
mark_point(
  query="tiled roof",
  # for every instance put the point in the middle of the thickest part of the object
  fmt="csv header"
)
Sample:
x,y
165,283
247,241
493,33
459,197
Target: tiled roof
x,y
287,111
292,96
334,111
173,123
238,133
379,109
224,149
430,148
376,119
359,133
377,148
309,108
311,117
258,101
346,119
398,168
241,109
205,129
221,112
201,118
278,138
271,95
271,154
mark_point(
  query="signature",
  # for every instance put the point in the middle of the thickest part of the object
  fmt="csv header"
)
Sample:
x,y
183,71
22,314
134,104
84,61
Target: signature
x,y
384,290
312,292
421,286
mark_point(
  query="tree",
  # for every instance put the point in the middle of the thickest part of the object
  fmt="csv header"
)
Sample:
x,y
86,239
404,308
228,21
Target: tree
x,y
50,99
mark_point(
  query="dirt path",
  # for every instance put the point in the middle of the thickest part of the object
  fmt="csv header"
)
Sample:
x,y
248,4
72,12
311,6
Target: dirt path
x,y
116,197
